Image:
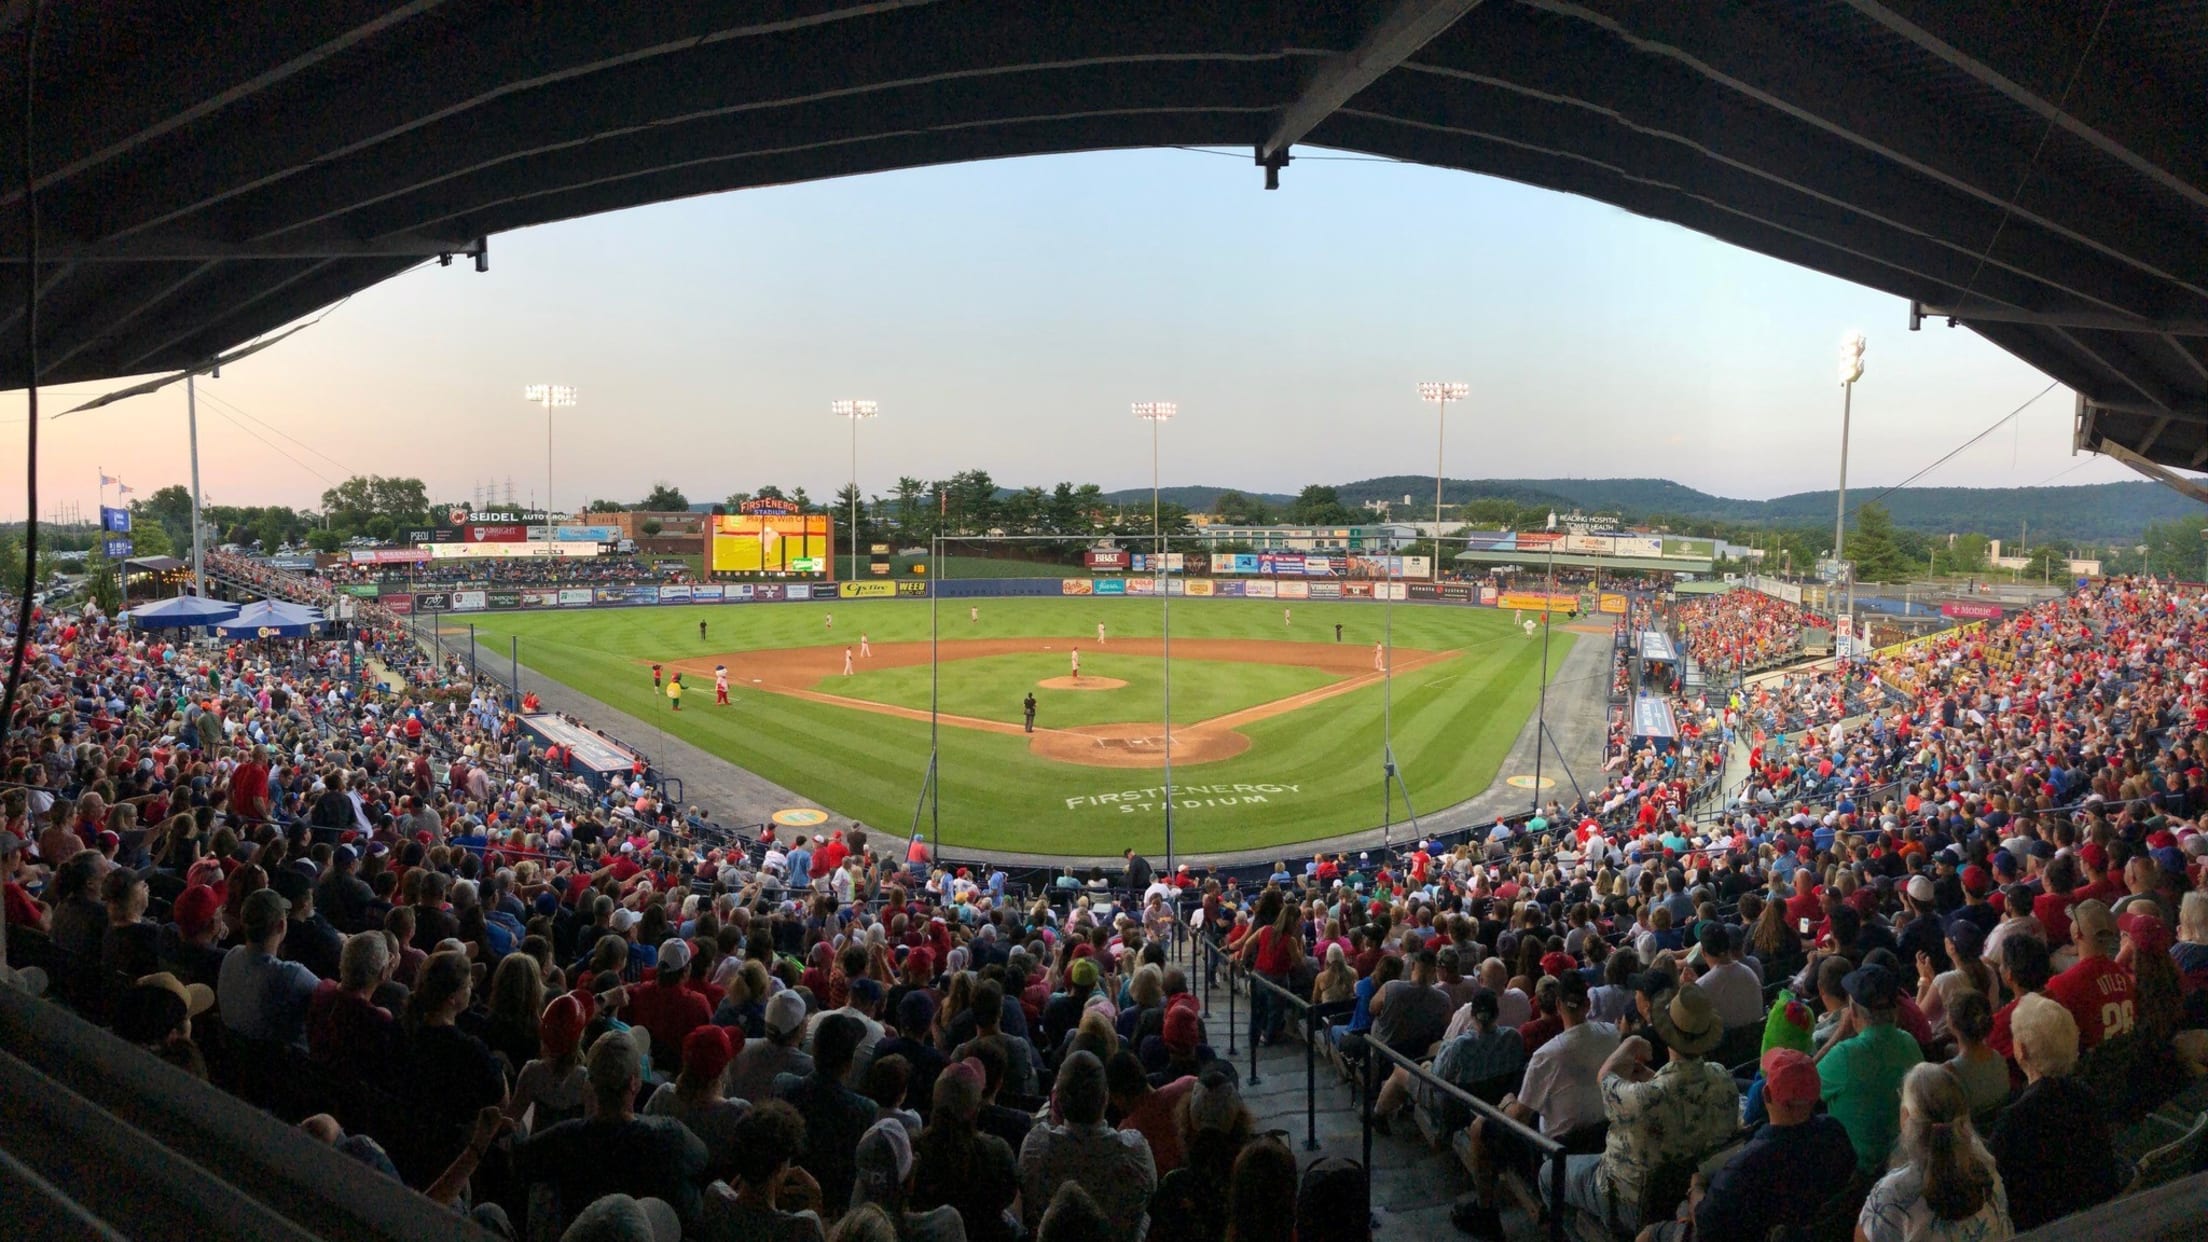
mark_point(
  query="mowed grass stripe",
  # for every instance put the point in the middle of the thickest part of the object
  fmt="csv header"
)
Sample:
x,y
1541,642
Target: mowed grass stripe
x,y
1454,720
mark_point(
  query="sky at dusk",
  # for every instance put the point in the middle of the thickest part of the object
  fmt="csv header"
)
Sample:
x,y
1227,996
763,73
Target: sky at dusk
x,y
1005,314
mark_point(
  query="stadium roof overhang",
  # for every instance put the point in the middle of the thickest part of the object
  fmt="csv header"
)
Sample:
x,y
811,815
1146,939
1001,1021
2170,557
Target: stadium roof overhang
x,y
206,176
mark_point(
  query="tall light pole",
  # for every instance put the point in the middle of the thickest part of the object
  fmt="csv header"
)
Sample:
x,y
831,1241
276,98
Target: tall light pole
x,y
1851,370
1441,394
549,397
857,412
1158,414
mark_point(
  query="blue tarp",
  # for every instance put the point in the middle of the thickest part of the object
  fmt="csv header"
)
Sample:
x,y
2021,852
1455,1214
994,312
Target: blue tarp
x,y
181,612
271,618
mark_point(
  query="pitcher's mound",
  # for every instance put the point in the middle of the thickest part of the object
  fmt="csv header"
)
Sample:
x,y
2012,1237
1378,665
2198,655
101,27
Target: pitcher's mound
x,y
1080,683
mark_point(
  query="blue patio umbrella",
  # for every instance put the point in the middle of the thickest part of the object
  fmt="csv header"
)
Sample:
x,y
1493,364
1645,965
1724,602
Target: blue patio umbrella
x,y
270,618
181,612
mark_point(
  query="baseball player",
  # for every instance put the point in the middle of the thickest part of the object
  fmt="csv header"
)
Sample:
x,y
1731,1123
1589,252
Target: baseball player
x,y
720,685
866,652
847,661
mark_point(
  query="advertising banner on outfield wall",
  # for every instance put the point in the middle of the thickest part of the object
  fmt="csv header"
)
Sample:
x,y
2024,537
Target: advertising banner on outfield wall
x,y
1459,592
1230,589
1105,560
540,599
1144,585
915,590
1075,586
764,592
678,593
1679,546
706,594
1200,587
1356,590
502,599
1273,564
1594,545
866,590
575,597
1326,566
1421,590
1234,563
1638,545
1611,602
1293,590
1536,601
1259,589
469,601
1325,590
1111,586
433,601
610,595
399,604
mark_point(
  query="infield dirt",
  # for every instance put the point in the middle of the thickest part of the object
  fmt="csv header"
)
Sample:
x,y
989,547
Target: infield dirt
x,y
798,672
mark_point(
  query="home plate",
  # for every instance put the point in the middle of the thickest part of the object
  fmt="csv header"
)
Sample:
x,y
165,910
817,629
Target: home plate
x,y
755,681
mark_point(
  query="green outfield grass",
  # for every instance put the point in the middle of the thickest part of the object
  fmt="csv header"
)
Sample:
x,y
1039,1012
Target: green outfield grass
x,y
992,687
1310,773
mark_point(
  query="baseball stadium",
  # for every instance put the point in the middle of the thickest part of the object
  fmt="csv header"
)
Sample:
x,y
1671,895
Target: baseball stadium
x,y
652,657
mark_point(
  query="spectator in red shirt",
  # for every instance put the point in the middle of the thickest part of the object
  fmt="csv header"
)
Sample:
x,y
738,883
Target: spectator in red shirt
x,y
2052,906
249,786
664,1006
2096,991
2024,971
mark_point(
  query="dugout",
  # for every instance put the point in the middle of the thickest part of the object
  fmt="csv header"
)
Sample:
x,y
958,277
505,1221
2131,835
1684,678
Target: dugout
x,y
598,759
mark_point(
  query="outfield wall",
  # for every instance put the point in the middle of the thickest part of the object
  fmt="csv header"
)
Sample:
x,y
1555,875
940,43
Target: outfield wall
x,y
1290,592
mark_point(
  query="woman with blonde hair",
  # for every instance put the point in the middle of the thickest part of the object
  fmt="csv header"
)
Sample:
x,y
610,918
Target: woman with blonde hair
x,y
1336,982
1943,1187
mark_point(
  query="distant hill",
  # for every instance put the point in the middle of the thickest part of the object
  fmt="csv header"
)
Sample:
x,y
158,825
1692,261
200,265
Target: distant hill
x,y
2099,512
1194,499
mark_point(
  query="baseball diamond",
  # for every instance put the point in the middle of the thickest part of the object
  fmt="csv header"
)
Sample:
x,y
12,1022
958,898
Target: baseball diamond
x,y
1277,728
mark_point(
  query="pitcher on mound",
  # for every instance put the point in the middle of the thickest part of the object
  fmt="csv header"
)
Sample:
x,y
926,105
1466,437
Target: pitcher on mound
x,y
1077,664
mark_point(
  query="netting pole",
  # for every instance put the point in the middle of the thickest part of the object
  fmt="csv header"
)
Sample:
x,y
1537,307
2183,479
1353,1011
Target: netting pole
x,y
935,701
1387,714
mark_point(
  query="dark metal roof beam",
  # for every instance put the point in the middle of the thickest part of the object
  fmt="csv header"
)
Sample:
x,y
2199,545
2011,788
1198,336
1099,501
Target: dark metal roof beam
x,y
1548,64
170,249
2067,319
87,335
1745,53
249,26
1409,26
534,82
2117,104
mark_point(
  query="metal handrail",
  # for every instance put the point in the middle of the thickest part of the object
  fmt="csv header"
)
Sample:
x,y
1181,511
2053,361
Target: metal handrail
x,y
1549,1149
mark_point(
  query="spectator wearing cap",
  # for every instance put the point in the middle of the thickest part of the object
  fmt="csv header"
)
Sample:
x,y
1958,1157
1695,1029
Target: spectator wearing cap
x,y
2097,992
1977,886
915,1016
156,1014
663,1006
262,996
614,1151
342,897
552,1086
835,1115
1732,986
698,1100
348,1034
1787,1170
189,943
1656,1116
763,1061
959,1166
310,941
1114,1166
1923,932
1862,1065
2051,1144
884,1178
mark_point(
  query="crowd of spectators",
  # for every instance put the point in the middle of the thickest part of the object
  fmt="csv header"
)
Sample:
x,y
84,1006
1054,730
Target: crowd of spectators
x,y
1920,1005
1741,631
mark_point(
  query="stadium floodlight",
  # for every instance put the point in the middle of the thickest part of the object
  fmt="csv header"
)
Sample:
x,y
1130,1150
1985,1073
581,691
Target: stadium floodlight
x,y
549,397
856,411
1441,393
1851,370
1158,414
